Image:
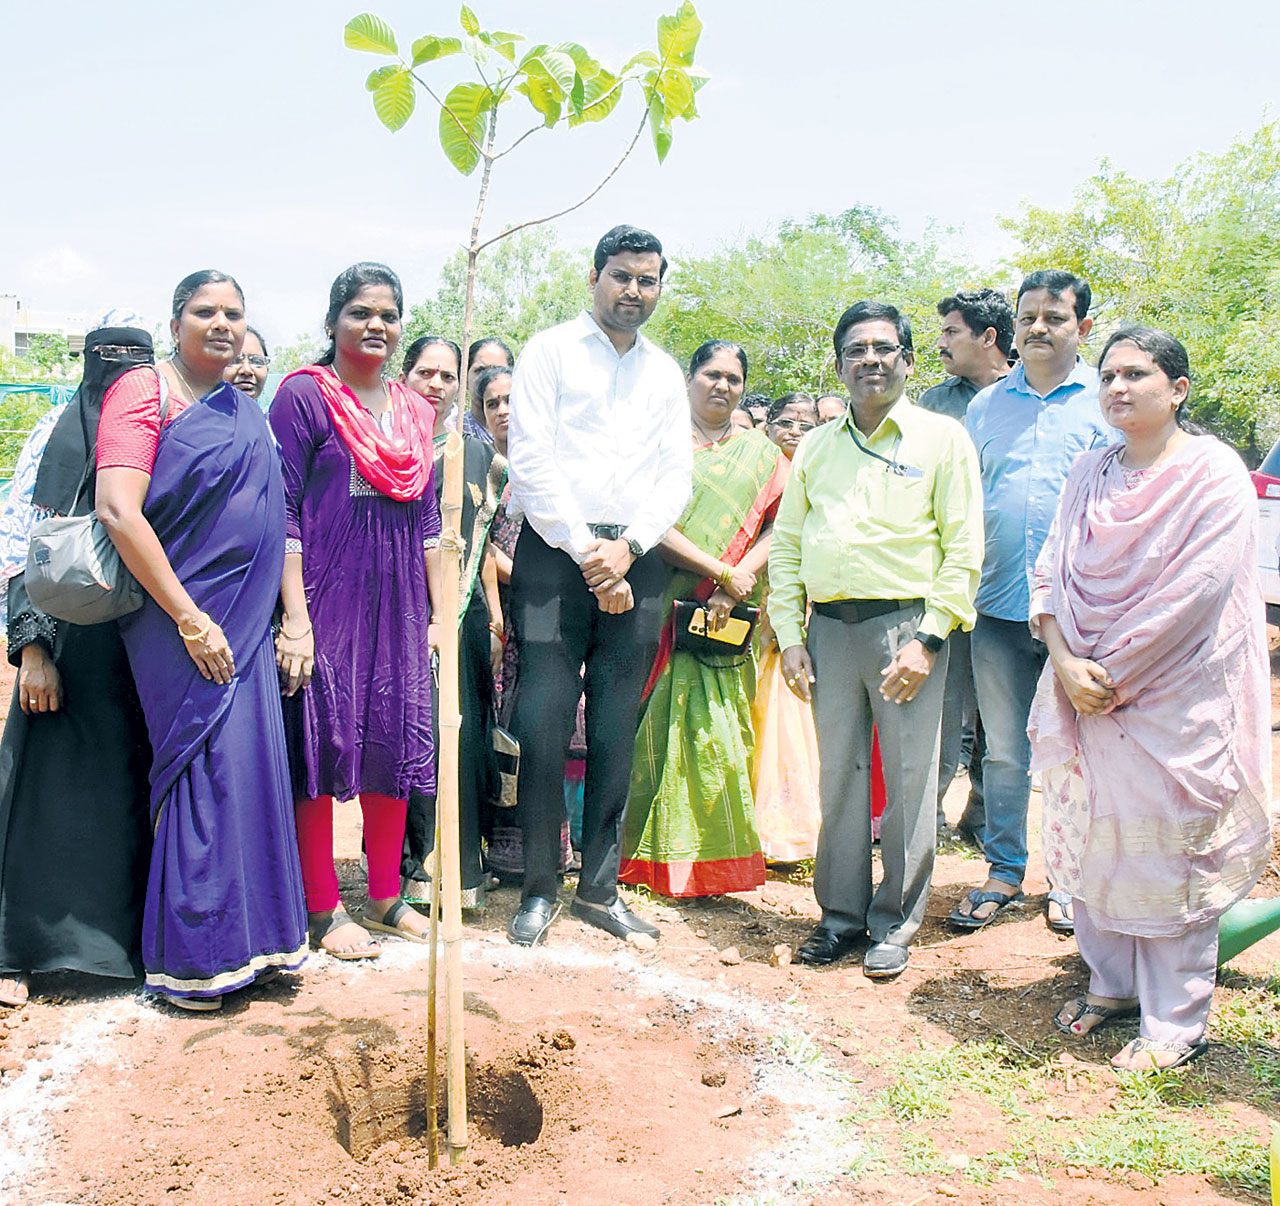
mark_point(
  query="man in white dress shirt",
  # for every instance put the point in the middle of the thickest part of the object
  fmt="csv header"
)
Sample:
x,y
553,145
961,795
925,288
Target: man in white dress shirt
x,y
600,463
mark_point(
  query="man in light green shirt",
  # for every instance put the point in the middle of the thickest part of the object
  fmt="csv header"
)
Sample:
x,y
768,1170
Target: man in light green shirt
x,y
880,530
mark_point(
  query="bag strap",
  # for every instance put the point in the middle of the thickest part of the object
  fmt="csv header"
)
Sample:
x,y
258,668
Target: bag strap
x,y
91,459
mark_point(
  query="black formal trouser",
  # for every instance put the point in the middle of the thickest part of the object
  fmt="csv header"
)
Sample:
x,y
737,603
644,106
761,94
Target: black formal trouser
x,y
560,628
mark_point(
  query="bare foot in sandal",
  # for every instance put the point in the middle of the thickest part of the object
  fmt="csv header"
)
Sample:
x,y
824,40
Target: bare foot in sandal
x,y
14,990
1151,1055
395,917
1082,1015
334,932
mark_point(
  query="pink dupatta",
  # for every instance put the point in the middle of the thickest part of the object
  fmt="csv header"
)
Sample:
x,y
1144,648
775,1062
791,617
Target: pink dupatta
x,y
1153,575
399,467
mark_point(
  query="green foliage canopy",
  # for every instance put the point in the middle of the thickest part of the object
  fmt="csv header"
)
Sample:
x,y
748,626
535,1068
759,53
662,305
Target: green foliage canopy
x,y
1197,253
524,284
780,296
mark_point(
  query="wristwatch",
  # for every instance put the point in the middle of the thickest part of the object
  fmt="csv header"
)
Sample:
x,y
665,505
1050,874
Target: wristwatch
x,y
932,643
637,551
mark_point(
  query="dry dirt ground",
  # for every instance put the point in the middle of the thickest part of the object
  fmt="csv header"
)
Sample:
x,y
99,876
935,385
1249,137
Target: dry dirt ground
x,y
706,1071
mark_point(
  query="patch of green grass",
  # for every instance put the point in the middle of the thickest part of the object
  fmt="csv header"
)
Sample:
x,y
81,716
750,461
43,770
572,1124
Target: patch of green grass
x,y
796,1048
1250,1015
1158,1125
1156,1140
924,1082
920,1156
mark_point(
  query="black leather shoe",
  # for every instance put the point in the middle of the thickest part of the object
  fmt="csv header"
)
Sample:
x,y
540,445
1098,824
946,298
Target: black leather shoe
x,y
825,946
615,919
532,921
885,960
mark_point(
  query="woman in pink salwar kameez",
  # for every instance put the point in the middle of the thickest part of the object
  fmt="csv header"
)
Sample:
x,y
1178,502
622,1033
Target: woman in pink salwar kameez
x,y
1150,728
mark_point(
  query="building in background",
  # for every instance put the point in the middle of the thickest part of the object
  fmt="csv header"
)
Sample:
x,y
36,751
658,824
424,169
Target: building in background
x,y
18,325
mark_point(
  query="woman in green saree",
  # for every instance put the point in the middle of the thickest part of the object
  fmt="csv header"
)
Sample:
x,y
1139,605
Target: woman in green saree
x,y
690,824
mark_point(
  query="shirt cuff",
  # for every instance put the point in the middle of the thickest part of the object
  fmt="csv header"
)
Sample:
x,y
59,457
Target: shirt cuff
x,y
643,535
937,623
579,536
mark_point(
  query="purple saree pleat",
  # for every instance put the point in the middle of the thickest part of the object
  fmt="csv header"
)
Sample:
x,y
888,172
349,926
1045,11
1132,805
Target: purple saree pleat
x,y
224,894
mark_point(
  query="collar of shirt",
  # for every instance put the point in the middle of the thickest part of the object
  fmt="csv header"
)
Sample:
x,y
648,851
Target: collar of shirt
x,y
590,329
1082,376
895,423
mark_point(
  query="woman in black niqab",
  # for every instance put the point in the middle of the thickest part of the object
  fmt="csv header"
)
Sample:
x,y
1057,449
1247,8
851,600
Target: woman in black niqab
x,y
74,760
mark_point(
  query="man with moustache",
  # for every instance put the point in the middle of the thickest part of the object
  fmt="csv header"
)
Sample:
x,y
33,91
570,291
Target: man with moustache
x,y
600,468
974,346
880,529
1027,428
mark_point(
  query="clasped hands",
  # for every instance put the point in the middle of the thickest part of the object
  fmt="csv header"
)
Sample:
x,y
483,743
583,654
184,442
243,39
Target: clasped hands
x,y
1088,686
604,569
901,679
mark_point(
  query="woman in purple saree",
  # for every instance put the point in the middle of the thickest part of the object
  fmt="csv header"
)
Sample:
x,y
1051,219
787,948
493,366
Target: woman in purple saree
x,y
196,508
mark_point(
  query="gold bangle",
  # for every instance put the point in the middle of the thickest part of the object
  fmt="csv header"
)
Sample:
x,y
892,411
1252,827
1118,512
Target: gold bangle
x,y
201,634
305,632
725,576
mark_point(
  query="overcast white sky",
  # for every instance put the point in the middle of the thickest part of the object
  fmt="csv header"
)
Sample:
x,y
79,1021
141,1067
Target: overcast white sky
x,y
147,139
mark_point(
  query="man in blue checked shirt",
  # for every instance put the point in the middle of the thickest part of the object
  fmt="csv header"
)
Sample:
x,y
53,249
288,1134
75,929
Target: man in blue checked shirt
x,y
1028,428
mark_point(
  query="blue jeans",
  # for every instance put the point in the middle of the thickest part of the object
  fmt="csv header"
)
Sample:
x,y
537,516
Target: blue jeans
x,y
1007,661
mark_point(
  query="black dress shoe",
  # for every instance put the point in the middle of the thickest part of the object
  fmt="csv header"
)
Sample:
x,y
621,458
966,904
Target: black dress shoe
x,y
532,921
885,960
825,946
615,919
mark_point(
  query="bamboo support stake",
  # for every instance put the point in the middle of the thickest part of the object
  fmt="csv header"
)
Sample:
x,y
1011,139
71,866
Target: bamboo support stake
x,y
433,1106
447,794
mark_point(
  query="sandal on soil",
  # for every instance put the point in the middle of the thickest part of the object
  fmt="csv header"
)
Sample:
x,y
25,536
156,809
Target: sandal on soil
x,y
319,930
1080,1008
390,923
976,897
14,990
1066,924
196,1004
1183,1052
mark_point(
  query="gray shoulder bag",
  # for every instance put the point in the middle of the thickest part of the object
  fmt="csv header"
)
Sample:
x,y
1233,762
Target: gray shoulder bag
x,y
73,570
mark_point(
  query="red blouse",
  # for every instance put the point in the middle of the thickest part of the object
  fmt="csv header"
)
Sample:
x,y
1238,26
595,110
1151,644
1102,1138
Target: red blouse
x,y
129,430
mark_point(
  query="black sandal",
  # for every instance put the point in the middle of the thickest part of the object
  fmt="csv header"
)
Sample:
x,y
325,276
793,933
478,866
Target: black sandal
x,y
1083,1009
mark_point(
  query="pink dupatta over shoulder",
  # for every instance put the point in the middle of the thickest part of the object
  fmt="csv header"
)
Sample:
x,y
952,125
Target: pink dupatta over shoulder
x,y
1157,814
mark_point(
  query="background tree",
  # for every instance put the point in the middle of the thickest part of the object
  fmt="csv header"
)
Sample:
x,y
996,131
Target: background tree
x,y
1197,253
780,295
524,283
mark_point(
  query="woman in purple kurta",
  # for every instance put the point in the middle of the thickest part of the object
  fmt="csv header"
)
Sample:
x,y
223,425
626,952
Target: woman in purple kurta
x,y
195,504
363,527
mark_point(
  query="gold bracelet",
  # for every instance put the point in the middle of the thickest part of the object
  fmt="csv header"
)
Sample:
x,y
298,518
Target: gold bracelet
x,y
305,632
203,632
725,577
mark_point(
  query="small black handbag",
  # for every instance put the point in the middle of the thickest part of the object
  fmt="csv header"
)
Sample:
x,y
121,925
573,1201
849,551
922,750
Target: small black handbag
x,y
693,636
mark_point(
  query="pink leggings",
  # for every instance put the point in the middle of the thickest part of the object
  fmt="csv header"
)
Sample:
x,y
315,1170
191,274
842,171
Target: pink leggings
x,y
383,841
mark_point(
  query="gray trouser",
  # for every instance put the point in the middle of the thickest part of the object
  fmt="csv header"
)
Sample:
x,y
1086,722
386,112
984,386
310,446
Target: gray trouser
x,y
847,661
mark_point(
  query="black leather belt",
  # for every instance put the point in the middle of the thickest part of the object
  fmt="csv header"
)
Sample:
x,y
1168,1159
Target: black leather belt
x,y
854,611
607,531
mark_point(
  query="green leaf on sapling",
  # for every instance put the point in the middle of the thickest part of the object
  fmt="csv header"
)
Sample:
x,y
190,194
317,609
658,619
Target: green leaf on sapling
x,y
369,33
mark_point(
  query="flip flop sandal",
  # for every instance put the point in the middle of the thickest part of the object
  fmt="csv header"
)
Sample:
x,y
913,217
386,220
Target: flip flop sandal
x,y
1083,1009
390,923
1185,1053
1067,924
318,931
976,897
